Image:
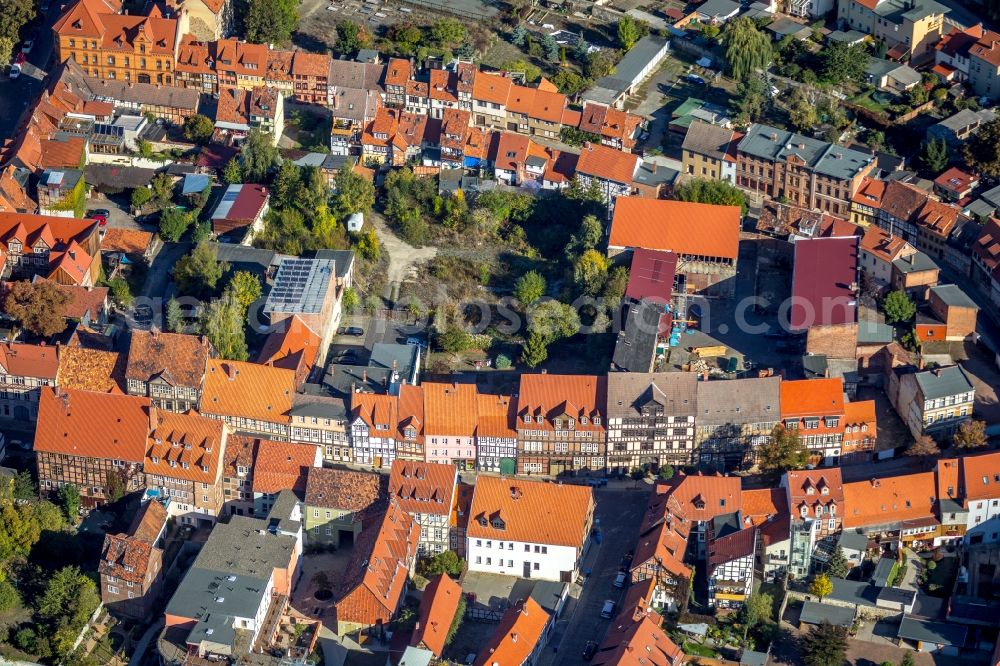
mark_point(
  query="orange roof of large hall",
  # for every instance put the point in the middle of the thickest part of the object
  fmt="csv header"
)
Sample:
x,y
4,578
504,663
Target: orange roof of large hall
x,y
682,227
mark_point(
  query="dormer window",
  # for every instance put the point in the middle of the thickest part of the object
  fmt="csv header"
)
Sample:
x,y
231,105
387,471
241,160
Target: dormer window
x,y
804,511
583,420
810,491
597,420
527,418
832,509
824,491
538,419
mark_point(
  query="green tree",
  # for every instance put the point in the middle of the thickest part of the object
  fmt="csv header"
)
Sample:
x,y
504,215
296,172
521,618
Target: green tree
x,y
7,48
630,31
199,129
198,273
456,621
502,362
9,598
783,452
69,499
535,351
756,610
233,173
875,139
65,607
140,197
531,72
820,586
173,223
114,485
24,486
313,193
351,300
569,82
222,323
587,237
841,62
121,292
286,185
552,320
590,272
354,194
601,63
162,191
898,307
271,21
837,566
368,245
551,48
529,287
617,283
825,645
447,563
638,474
40,306
934,155
718,192
802,112
408,38
519,36
351,37
454,340
666,472
245,289
259,155
751,98
970,435
982,149
448,32
908,657
748,48
174,316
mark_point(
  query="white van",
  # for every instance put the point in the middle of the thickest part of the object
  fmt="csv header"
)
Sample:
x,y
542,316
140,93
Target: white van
x,y
15,71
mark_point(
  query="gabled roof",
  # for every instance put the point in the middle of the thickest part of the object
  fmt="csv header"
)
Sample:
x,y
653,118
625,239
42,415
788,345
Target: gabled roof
x,y
283,466
824,279
530,511
293,346
185,446
637,641
629,392
760,505
681,227
609,164
93,425
380,564
91,370
437,610
240,389
889,500
493,88
980,476
652,275
732,547
343,489
554,396
23,360
497,416
422,488
176,358
450,409
812,397
520,629
703,498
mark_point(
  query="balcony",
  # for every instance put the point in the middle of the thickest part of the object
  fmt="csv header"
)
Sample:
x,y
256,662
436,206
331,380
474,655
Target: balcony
x,y
729,596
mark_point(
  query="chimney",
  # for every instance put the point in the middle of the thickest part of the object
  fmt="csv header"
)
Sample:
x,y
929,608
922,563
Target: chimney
x,y
230,371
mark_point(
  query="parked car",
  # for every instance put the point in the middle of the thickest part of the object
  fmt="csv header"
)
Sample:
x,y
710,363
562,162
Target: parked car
x,y
589,650
99,214
620,579
626,561
15,71
597,483
694,79
416,342
351,330
608,609
29,43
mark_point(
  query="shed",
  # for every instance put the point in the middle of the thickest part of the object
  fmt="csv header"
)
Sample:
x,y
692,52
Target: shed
x,y
355,222
883,571
816,613
932,636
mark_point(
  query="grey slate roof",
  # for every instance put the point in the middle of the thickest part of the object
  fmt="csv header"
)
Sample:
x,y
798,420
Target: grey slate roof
x,y
720,9
214,597
727,401
344,260
385,354
816,613
897,595
965,118
941,633
943,382
627,69
853,540
653,174
319,405
753,658
628,391
771,143
953,295
636,344
853,592
883,570
707,139
897,10
914,263
243,546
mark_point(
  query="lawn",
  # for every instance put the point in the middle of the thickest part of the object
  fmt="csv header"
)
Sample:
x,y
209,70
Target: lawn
x,y
942,577
869,101
699,650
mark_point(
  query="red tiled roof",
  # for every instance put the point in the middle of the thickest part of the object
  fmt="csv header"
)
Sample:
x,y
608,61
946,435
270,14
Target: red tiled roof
x,y
93,425
889,500
283,466
343,489
239,389
293,347
812,397
981,476
682,227
185,446
531,511
607,164
520,629
637,640
426,488
762,504
437,610
551,396
87,369
129,241
704,497
651,275
24,360
316,65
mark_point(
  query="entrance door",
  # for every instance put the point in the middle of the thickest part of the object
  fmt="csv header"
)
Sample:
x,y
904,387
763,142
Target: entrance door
x,y
527,570
508,466
377,462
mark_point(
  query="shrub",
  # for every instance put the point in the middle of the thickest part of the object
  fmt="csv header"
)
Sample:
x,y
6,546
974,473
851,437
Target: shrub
x,y
503,362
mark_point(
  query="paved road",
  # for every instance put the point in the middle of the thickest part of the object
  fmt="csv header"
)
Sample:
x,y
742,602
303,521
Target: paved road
x,y
620,509
16,95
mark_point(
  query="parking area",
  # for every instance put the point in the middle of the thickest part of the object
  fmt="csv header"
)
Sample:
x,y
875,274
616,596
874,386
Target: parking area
x,y
619,510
